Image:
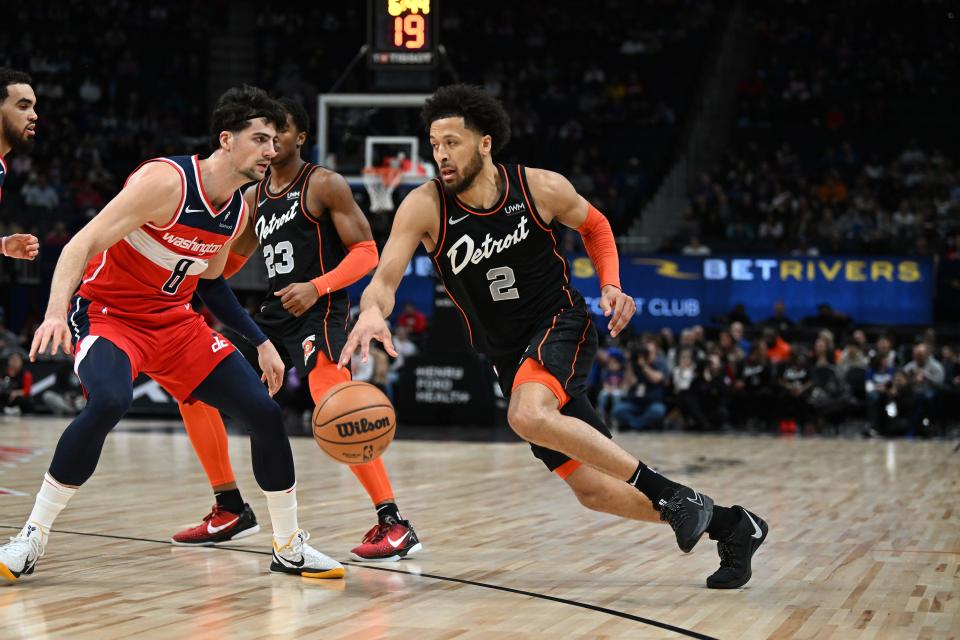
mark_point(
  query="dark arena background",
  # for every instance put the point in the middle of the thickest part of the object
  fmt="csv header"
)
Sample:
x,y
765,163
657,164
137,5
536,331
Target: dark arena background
x,y
783,181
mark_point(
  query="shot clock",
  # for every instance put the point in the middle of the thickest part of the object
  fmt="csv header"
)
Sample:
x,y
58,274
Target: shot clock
x,y
402,33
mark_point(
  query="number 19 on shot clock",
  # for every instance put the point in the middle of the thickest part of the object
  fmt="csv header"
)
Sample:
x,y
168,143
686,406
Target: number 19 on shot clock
x,y
402,33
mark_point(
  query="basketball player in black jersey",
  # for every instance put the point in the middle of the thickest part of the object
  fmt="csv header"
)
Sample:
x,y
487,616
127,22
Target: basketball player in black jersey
x,y
490,230
18,127
315,242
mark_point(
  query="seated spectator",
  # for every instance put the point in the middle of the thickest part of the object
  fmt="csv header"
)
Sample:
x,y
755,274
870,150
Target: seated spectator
x,y
779,320
885,351
778,350
9,342
881,395
613,383
794,383
65,396
829,318
642,406
739,314
925,377
851,358
729,349
694,248
705,407
829,396
413,319
736,332
752,390
15,387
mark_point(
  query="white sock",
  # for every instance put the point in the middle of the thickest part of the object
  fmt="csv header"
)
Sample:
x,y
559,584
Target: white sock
x,y
283,514
51,499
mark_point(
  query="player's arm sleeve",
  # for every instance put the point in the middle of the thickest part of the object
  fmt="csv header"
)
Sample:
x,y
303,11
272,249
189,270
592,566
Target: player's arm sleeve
x,y
601,247
360,259
223,303
246,241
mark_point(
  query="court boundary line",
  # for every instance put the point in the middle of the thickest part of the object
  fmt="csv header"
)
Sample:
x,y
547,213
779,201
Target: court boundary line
x,y
484,585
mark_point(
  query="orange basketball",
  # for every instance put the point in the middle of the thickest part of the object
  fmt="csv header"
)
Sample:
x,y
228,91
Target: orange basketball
x,y
354,422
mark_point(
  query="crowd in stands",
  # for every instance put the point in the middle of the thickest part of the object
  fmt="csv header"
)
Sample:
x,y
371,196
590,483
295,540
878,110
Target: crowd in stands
x,y
780,376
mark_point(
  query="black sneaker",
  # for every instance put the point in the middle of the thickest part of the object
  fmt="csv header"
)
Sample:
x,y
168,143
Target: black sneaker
x,y
689,514
737,550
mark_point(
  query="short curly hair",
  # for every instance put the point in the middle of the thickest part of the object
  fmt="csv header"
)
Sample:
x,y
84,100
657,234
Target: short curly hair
x,y
480,111
10,76
238,106
296,111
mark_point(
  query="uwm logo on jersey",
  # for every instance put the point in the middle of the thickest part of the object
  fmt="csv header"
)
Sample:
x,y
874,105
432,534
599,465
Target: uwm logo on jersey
x,y
155,267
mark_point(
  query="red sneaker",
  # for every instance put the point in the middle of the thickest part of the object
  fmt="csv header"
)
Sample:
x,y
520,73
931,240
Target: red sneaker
x,y
387,543
219,525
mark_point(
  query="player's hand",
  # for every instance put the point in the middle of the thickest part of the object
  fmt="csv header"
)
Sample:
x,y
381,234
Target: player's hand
x,y
617,306
271,365
370,326
298,297
21,245
53,333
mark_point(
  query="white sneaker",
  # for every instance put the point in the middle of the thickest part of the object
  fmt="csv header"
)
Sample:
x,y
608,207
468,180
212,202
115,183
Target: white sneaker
x,y
19,556
299,558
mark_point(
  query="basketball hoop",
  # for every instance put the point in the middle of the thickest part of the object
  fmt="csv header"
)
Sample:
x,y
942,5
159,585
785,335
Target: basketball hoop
x,y
380,183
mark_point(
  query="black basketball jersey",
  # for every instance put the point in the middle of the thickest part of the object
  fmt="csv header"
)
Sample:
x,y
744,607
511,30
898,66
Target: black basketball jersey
x,y
298,245
501,266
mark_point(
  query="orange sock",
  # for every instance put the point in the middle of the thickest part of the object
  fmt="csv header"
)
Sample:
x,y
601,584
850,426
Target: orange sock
x,y
372,475
209,439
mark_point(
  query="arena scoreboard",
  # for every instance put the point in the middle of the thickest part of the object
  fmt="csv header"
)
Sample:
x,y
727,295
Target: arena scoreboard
x,y
402,33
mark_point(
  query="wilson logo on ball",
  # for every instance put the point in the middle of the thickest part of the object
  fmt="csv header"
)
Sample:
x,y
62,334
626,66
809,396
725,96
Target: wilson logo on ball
x,y
353,427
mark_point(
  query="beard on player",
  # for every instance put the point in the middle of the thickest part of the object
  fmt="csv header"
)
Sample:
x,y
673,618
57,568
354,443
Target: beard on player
x,y
19,137
465,178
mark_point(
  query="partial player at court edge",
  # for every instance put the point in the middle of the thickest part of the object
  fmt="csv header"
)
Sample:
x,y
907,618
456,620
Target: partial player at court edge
x,y
165,236
18,130
489,229
315,242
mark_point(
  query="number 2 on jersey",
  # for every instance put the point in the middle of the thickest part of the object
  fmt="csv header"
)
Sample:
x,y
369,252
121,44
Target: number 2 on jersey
x,y
501,285
279,258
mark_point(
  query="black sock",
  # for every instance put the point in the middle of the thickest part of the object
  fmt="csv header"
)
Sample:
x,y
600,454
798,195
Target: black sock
x,y
388,513
231,500
724,521
651,483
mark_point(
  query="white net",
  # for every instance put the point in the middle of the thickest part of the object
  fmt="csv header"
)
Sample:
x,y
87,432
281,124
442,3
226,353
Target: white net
x,y
381,183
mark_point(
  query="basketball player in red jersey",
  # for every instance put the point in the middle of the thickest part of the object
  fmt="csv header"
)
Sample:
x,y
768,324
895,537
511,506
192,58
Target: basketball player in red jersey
x,y
138,264
315,242
490,230
18,127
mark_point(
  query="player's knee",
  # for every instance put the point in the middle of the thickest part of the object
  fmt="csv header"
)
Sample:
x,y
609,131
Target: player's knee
x,y
528,420
264,415
110,403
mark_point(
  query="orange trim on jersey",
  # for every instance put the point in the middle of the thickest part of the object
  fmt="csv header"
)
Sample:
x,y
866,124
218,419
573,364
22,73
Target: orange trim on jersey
x,y
533,371
183,189
443,219
266,185
576,355
488,212
454,300
203,192
567,468
536,218
540,346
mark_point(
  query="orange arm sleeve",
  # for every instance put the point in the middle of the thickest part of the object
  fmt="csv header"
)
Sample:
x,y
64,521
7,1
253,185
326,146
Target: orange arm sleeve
x,y
360,259
235,262
601,247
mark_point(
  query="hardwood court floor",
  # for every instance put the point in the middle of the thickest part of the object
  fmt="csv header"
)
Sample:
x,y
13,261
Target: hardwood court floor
x,y
864,543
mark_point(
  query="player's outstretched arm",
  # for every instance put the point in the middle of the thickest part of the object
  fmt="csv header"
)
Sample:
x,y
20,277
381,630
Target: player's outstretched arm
x,y
22,246
151,194
416,221
328,191
558,200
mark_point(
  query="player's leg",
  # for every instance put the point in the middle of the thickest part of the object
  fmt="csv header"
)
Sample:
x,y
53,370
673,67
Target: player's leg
x,y
230,518
542,412
105,371
392,538
234,388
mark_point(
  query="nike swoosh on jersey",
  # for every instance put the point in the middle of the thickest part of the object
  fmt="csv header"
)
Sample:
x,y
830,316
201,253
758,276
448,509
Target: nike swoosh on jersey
x,y
452,221
189,210
397,543
261,203
212,529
